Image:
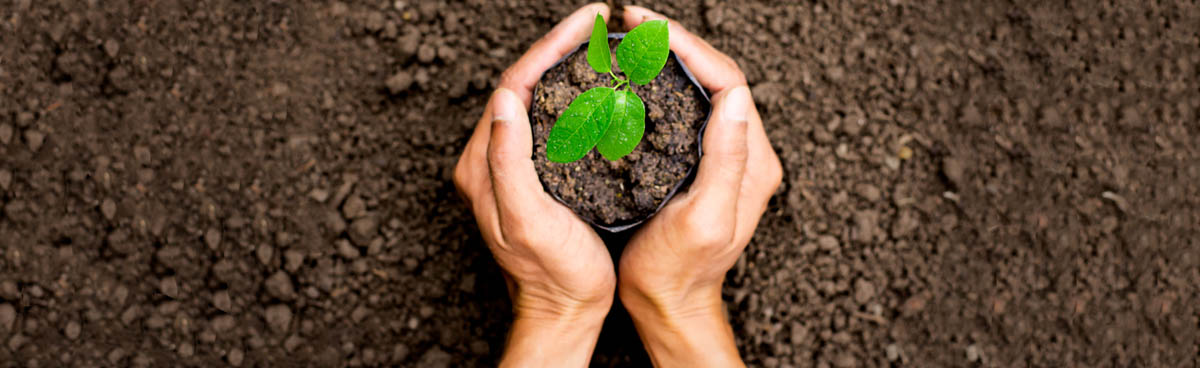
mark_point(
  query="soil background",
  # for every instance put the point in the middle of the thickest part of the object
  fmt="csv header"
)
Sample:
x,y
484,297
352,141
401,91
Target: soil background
x,y
967,183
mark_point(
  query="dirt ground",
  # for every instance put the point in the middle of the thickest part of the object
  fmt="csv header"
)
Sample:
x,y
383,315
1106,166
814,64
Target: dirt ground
x,y
267,183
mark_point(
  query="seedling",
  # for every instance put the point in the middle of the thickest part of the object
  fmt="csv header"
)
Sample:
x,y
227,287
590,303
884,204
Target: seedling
x,y
611,119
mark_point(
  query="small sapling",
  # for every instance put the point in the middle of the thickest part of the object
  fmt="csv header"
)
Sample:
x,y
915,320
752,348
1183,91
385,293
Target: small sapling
x,y
611,119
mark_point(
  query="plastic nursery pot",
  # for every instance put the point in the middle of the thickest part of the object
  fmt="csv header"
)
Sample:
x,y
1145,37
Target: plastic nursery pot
x,y
705,106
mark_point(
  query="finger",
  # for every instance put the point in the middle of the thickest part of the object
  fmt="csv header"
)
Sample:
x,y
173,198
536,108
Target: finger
x,y
713,69
719,181
510,150
568,34
471,173
763,176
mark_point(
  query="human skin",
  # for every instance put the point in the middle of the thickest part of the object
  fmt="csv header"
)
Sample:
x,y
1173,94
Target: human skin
x,y
560,276
673,268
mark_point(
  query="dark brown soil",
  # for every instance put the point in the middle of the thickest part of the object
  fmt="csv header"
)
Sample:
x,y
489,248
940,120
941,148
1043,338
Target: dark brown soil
x,y
967,183
616,193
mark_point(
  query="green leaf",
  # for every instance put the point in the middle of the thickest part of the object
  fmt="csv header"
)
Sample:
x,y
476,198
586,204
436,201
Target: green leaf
x,y
626,128
643,52
582,125
597,53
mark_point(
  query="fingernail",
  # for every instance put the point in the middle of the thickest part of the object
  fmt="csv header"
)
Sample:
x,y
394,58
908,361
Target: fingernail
x,y
736,104
506,107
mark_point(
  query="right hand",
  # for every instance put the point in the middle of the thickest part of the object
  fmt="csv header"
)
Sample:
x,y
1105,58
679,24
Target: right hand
x,y
673,268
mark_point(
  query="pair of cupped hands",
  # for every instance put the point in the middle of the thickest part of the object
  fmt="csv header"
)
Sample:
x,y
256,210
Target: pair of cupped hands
x,y
560,276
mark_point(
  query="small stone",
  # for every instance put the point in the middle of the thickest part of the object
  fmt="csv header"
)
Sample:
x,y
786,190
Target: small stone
x,y
867,225
5,179
435,358
845,360
120,295
111,47
399,82
222,302
360,313
354,208
169,287
6,133
892,352
16,342
399,353
35,291
828,243
9,290
223,323
868,192
207,337
293,259
426,311
319,195
186,350
799,334
863,291
409,45
108,208
375,21
915,304
279,285
116,355
35,139
346,250
130,315
279,316
292,343
235,357
264,253
8,316
426,53
953,169
24,118
363,230
256,342
334,222
447,53
972,353
212,237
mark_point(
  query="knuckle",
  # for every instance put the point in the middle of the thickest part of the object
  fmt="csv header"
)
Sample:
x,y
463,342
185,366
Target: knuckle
x,y
497,157
462,179
460,174
508,77
774,174
735,69
707,228
517,233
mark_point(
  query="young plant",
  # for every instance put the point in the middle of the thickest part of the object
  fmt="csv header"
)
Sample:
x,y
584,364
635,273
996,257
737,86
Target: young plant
x,y
610,118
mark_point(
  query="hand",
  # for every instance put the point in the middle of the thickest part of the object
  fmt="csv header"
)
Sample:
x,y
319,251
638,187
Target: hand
x,y
673,268
560,275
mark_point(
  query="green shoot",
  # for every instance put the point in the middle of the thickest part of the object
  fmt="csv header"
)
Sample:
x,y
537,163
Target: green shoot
x,y
611,119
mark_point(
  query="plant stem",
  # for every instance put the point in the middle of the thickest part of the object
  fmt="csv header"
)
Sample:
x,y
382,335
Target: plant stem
x,y
620,82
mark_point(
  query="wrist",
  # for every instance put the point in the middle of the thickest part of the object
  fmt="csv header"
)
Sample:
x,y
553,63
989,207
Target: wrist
x,y
541,303
553,338
683,329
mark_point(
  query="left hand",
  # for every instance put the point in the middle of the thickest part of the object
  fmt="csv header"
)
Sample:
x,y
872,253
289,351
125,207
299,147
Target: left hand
x,y
560,275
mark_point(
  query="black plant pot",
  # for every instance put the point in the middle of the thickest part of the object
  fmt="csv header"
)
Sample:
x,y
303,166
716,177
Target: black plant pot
x,y
625,226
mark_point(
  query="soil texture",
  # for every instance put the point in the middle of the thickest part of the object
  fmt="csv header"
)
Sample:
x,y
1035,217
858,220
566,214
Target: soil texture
x,y
622,192
992,183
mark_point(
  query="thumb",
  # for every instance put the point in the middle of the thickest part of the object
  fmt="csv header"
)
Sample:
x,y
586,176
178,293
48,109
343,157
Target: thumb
x,y
724,152
510,151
